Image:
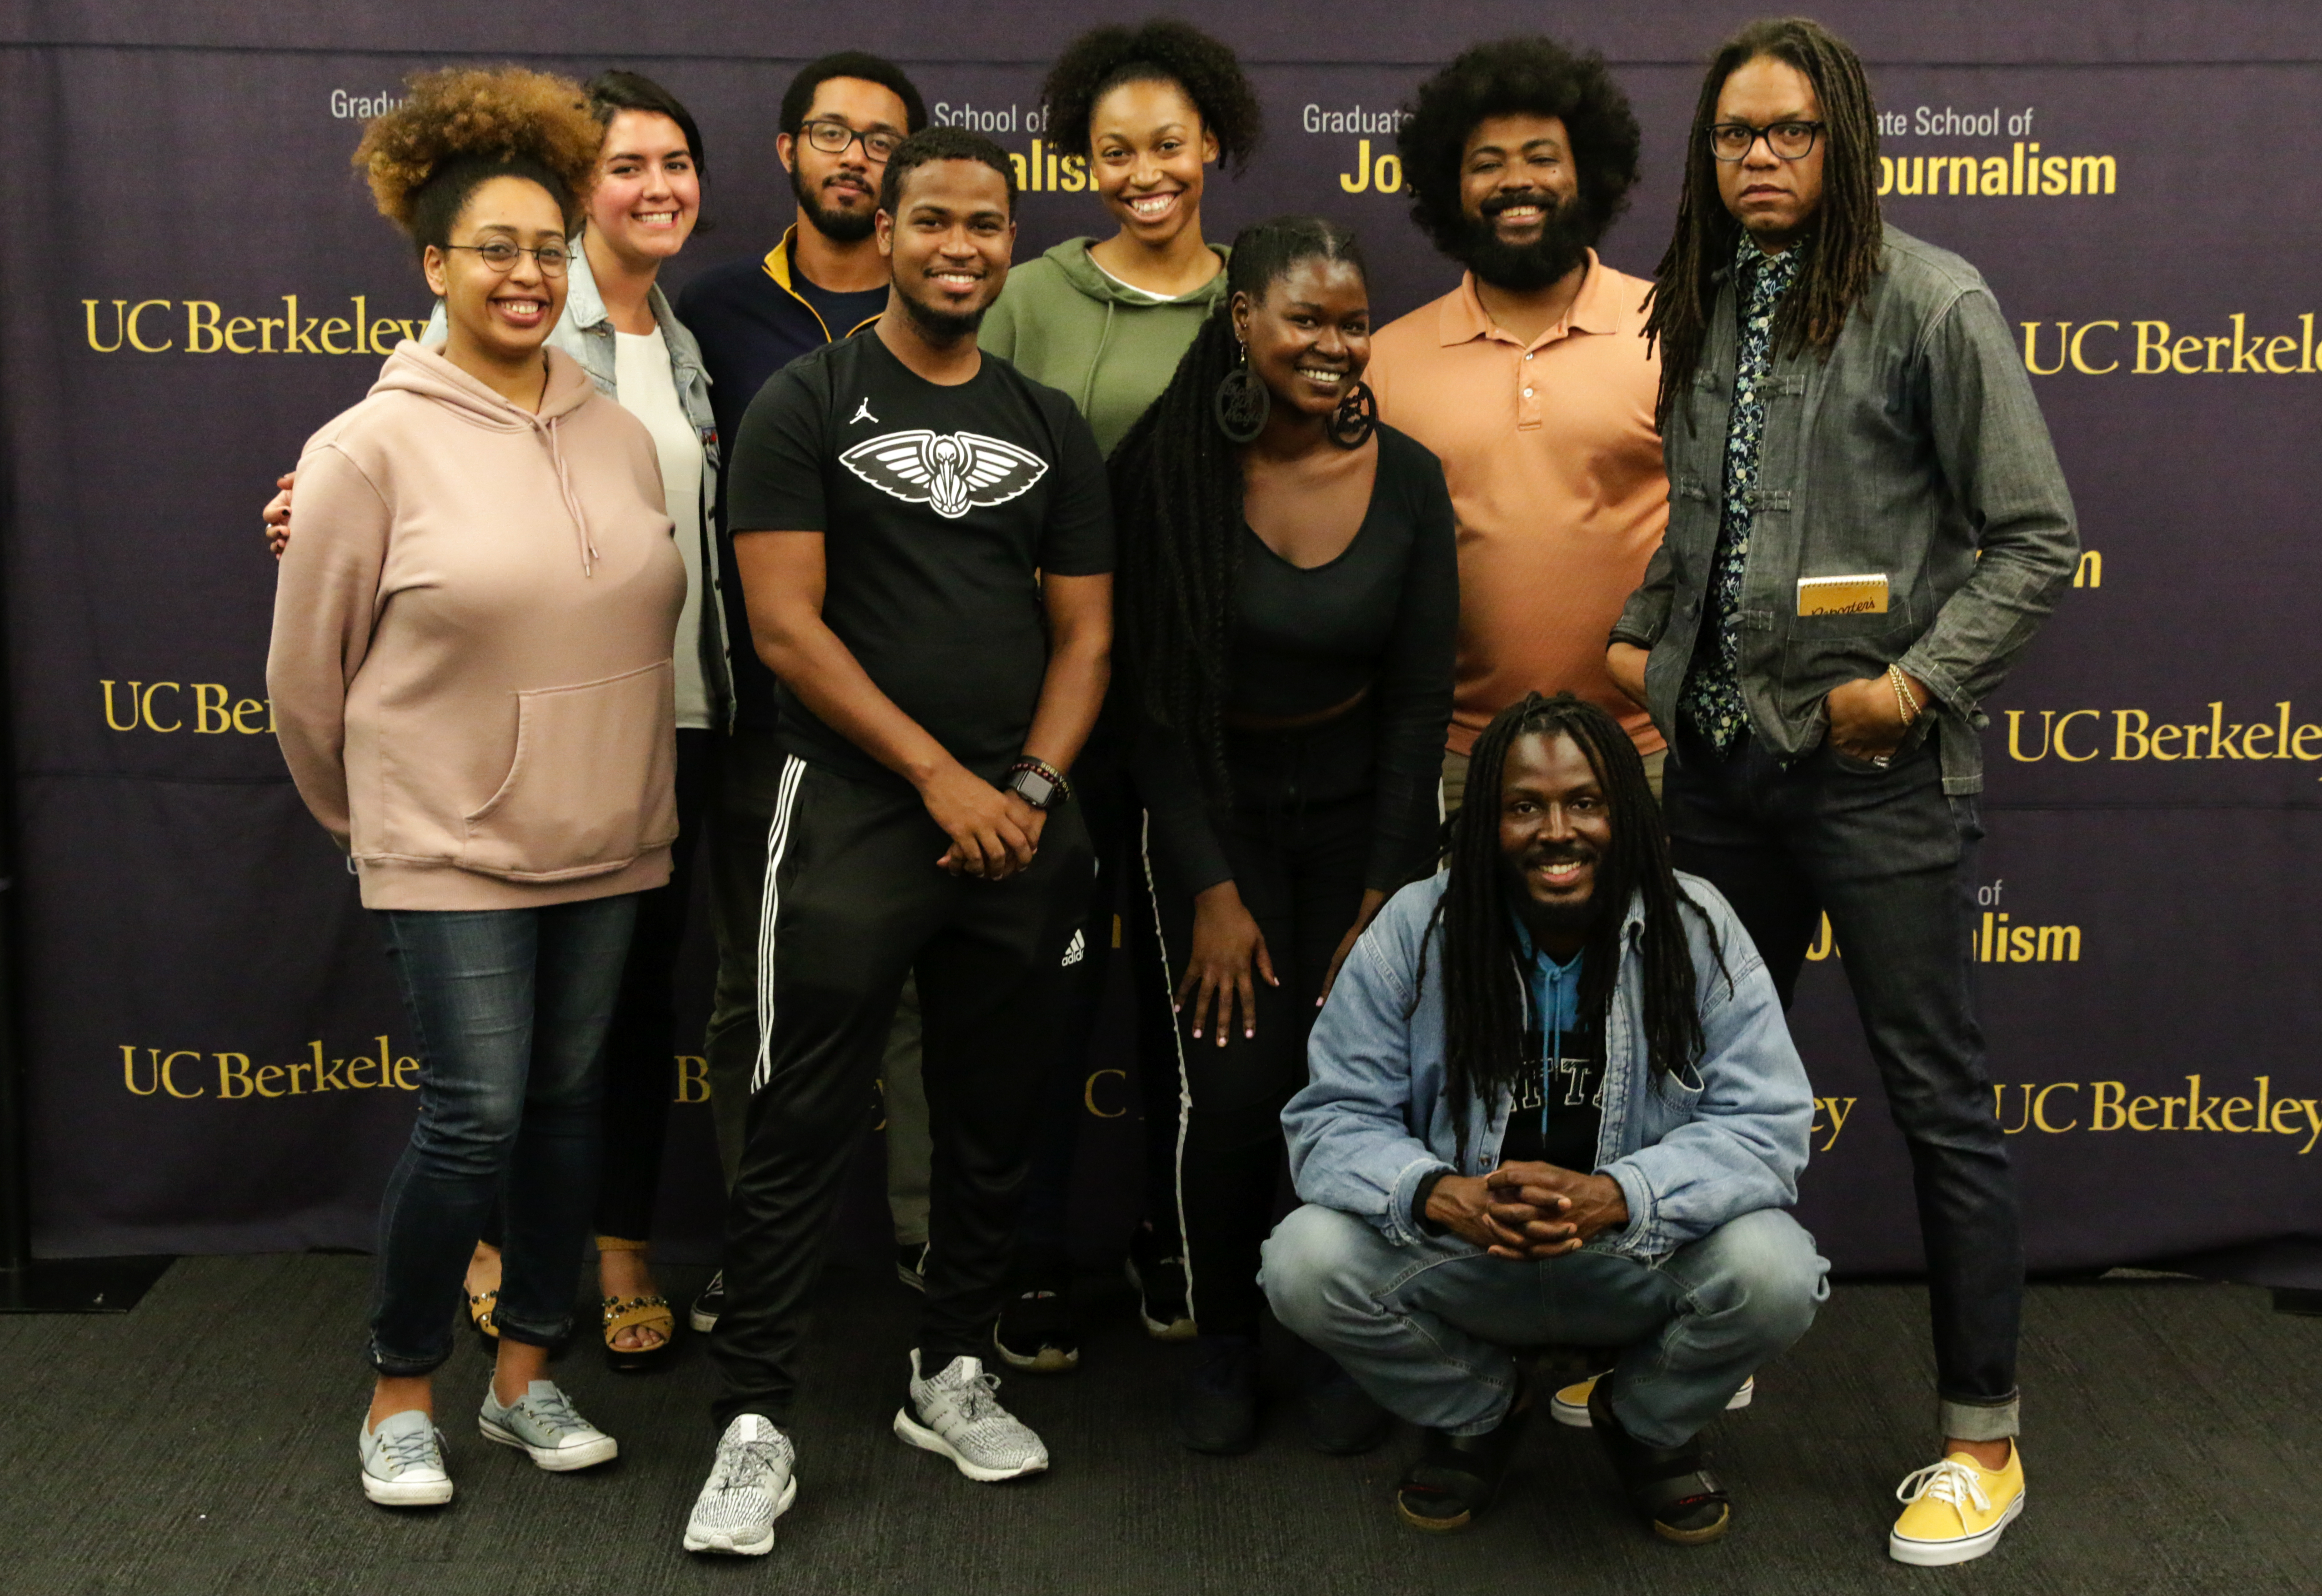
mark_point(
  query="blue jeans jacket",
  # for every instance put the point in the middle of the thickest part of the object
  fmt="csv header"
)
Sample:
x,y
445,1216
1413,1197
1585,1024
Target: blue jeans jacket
x,y
1691,1150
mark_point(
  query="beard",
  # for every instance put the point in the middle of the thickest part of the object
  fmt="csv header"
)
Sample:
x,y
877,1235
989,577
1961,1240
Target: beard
x,y
1566,234
1552,919
840,227
940,326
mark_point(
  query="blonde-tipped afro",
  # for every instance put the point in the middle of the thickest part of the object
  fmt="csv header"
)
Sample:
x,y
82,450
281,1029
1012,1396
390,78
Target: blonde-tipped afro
x,y
503,114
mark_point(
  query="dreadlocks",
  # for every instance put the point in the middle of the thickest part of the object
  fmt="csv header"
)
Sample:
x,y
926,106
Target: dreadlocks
x,y
1847,236
1177,490
1483,982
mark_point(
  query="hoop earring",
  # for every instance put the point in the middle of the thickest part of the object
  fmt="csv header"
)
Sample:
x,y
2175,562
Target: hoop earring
x,y
1354,419
1241,404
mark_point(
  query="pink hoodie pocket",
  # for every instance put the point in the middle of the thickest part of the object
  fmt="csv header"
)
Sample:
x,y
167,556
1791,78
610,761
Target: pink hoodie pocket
x,y
592,785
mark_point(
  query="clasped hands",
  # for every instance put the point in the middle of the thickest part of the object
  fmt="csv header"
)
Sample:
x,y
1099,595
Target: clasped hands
x,y
994,832
1528,1211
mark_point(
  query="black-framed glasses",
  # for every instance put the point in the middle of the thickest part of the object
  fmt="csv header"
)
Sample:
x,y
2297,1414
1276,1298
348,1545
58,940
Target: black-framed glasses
x,y
832,138
501,256
1789,141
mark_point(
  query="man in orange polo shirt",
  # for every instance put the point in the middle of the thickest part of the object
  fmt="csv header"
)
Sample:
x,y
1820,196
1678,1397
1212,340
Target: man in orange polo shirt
x,y
1531,380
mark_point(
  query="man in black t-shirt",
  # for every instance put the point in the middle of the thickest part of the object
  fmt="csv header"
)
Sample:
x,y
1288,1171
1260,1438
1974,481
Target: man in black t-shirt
x,y
924,541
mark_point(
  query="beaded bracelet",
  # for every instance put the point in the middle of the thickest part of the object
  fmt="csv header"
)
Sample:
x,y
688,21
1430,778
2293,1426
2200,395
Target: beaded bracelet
x,y
1046,771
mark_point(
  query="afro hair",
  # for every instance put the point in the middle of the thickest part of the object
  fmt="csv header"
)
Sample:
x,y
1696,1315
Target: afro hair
x,y
482,122
1528,76
1160,51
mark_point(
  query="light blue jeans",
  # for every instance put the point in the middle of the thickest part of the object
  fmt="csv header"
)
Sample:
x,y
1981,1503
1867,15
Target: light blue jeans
x,y
1428,1331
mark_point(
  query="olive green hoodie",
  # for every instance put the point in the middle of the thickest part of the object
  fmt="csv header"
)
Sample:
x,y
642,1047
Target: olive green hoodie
x,y
1063,322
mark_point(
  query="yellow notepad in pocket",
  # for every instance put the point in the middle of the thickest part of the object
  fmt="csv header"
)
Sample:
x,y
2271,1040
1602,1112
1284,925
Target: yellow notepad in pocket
x,y
1842,596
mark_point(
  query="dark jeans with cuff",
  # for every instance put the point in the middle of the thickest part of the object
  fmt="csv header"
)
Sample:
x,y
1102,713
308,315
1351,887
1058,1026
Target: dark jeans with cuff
x,y
509,1009
1890,859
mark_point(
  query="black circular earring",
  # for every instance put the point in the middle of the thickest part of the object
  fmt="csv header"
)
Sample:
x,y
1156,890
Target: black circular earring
x,y
1356,416
1241,403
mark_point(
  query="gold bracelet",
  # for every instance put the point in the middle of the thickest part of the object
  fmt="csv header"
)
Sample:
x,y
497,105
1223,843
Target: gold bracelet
x,y
1902,699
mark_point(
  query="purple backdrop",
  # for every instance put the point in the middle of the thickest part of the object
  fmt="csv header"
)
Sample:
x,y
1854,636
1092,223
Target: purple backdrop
x,y
193,279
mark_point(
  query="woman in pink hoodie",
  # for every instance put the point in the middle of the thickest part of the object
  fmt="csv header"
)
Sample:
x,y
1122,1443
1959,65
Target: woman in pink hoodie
x,y
470,666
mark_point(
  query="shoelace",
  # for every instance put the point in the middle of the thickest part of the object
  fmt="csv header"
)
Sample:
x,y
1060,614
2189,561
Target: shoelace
x,y
555,1411
1946,1481
979,1399
751,1466
410,1449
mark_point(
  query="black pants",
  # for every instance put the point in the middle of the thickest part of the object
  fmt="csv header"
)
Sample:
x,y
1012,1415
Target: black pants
x,y
640,1045
1300,874
854,901
1890,859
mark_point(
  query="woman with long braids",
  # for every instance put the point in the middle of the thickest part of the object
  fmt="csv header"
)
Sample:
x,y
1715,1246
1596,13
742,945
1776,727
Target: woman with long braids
x,y
1144,112
471,669
1287,601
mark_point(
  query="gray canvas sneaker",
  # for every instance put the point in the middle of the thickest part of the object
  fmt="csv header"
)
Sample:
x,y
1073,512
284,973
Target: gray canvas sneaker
x,y
958,1416
750,1486
544,1424
403,1461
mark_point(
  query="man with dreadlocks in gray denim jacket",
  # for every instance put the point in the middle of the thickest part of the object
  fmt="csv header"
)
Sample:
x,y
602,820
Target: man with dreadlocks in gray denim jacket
x,y
1552,1099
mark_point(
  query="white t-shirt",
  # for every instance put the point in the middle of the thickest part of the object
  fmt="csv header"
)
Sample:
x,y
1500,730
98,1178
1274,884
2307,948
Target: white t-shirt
x,y
648,391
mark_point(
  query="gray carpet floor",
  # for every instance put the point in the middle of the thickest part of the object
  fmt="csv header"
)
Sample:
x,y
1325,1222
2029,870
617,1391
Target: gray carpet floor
x,y
205,1444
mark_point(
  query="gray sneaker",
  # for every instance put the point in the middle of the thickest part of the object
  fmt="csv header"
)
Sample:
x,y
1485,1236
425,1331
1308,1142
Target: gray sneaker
x,y
750,1486
958,1416
403,1461
544,1424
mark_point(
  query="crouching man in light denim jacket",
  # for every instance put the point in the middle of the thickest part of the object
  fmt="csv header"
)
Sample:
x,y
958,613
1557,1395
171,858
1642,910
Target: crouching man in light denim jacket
x,y
1552,1099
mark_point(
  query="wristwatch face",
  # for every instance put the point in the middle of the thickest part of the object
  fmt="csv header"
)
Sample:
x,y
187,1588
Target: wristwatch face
x,y
1033,788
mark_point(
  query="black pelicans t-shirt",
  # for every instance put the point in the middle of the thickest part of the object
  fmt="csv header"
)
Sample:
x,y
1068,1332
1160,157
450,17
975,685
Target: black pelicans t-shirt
x,y
939,507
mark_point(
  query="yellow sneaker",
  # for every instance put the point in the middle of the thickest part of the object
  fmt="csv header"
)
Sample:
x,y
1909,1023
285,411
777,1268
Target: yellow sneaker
x,y
1956,1510
1570,1404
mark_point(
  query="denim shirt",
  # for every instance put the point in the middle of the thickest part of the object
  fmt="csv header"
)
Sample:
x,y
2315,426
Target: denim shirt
x,y
586,333
1915,451
1691,1149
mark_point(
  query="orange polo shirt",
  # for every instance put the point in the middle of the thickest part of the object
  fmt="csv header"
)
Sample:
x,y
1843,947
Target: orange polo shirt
x,y
1555,476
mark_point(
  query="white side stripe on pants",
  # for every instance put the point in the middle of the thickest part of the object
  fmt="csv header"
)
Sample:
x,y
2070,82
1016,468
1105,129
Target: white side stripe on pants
x,y
1184,1077
770,905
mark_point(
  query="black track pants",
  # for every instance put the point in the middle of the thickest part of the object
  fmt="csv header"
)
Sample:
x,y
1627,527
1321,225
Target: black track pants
x,y
1300,874
854,900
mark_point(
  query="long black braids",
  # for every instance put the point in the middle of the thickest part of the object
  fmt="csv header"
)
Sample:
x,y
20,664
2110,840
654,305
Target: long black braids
x,y
1177,495
1848,232
1483,979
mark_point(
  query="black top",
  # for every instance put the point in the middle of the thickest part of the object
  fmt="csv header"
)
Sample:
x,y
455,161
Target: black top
x,y
937,505
749,327
1384,614
1559,1104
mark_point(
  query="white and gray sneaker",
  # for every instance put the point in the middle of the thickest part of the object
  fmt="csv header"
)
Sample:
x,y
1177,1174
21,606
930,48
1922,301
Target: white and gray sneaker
x,y
545,1425
403,1461
750,1486
956,1413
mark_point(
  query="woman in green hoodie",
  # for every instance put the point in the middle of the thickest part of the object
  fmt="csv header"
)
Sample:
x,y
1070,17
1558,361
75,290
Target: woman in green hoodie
x,y
1151,108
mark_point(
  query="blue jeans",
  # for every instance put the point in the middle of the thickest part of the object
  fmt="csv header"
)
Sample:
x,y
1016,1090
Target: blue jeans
x,y
1428,1331
510,1008
1891,861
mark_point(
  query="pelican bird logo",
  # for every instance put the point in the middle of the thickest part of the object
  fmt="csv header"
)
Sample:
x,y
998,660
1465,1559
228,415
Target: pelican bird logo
x,y
952,473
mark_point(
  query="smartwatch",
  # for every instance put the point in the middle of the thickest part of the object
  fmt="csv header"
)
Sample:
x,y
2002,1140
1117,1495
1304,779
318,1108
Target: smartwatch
x,y
1038,783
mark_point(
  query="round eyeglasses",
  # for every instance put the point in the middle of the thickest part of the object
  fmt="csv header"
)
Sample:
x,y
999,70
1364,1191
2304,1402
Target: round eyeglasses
x,y
1789,141
501,255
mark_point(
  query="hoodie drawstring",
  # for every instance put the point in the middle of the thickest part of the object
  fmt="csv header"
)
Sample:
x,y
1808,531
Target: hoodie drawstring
x,y
589,555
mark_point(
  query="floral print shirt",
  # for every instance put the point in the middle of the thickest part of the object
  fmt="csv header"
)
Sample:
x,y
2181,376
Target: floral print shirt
x,y
1712,694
